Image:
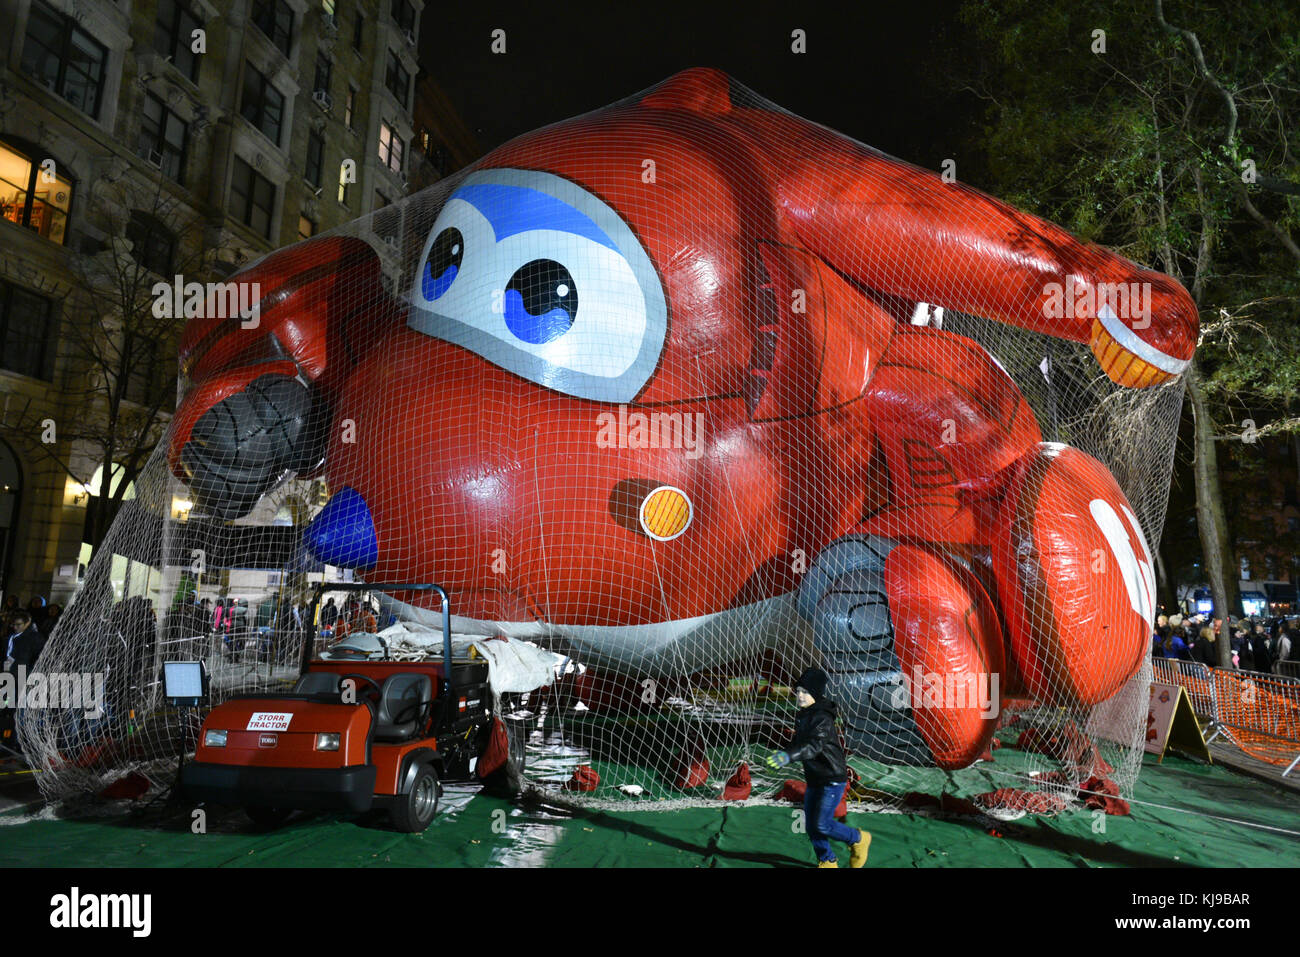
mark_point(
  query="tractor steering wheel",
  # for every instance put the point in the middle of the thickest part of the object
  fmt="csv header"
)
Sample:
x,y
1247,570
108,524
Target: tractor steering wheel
x,y
370,681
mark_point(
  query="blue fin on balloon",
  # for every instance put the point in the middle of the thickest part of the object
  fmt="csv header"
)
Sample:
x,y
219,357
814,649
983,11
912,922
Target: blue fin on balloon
x,y
343,534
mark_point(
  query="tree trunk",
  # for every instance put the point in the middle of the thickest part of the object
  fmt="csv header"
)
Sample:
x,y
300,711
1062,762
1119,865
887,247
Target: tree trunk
x,y
1166,593
1212,524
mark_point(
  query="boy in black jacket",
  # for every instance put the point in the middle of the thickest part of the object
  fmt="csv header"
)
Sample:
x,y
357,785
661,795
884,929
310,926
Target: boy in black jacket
x,y
825,769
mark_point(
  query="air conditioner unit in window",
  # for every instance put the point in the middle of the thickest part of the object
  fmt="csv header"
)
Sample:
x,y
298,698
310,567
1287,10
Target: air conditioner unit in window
x,y
410,38
322,99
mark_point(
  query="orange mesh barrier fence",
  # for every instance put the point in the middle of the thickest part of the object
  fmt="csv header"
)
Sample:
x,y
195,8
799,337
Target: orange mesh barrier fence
x,y
1261,713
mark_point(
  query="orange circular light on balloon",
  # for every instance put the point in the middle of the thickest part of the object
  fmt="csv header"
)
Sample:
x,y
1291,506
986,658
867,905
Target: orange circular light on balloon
x,y
665,513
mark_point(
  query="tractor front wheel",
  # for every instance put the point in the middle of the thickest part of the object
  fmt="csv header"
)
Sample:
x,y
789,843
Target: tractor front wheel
x,y
267,818
415,810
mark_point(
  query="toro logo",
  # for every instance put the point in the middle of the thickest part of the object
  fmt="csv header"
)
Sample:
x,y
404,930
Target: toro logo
x,y
265,740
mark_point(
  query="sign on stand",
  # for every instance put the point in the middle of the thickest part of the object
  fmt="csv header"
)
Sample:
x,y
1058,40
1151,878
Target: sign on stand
x,y
1171,723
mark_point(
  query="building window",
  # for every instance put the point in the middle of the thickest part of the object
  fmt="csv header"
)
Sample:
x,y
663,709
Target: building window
x,y
390,148
28,195
306,227
153,245
252,199
262,104
275,19
173,35
343,184
349,107
163,137
323,70
315,158
397,79
404,15
24,331
357,28
65,58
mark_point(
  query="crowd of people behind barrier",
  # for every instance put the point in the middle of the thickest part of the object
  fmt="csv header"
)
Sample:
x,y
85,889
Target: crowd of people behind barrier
x,y
1257,644
276,626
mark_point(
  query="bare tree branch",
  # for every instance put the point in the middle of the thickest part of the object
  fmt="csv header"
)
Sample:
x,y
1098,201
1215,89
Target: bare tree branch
x,y
1198,56
1281,234
1229,137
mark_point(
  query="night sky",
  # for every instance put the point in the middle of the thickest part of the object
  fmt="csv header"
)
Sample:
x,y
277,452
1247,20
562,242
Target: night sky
x,y
876,75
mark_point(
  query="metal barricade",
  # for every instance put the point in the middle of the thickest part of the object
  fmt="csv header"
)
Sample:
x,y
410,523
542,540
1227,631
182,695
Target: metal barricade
x,y
1260,713
1195,678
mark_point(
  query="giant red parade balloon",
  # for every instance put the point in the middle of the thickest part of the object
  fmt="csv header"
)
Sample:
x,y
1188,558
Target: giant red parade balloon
x,y
654,386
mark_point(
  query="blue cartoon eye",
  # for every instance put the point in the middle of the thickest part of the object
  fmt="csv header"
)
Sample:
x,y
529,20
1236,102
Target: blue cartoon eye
x,y
541,301
536,247
443,264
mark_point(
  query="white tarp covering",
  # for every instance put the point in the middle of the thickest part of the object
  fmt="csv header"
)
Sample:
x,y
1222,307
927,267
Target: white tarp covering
x,y
514,665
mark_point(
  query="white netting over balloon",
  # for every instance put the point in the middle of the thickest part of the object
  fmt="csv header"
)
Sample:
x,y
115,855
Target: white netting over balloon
x,y
692,394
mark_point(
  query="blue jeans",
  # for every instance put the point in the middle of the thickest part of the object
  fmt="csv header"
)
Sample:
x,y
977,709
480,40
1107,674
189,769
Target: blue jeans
x,y
819,803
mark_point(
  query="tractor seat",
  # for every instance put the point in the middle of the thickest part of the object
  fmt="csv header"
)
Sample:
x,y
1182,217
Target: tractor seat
x,y
317,682
404,704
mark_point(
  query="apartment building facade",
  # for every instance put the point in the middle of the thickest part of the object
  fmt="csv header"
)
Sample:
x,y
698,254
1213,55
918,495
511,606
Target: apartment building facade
x,y
191,136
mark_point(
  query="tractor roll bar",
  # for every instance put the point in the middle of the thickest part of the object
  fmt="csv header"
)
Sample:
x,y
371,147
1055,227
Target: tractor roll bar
x,y
323,587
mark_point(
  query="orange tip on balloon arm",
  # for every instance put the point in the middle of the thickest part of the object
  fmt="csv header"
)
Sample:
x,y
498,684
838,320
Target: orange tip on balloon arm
x,y
904,231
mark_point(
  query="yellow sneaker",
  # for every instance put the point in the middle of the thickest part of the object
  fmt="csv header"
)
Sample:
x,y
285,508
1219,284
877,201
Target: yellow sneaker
x,y
858,851
828,863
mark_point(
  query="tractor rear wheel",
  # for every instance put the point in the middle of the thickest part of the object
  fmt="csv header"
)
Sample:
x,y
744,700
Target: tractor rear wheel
x,y
508,780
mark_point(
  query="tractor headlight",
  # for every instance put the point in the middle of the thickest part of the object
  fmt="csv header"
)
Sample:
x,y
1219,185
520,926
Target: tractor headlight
x,y
327,741
214,739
